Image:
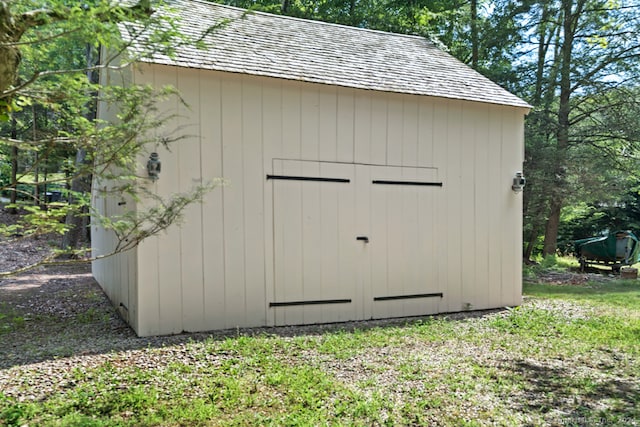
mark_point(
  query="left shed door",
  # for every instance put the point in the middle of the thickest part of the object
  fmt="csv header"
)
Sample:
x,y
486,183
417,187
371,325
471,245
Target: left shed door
x,y
315,258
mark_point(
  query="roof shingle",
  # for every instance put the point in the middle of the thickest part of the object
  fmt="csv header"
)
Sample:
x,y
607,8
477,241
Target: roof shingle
x,y
277,46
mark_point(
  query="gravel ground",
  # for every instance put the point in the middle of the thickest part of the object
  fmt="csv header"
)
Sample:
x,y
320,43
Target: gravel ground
x,y
61,311
17,252
57,318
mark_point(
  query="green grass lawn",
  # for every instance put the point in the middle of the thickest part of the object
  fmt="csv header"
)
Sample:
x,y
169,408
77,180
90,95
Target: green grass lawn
x,y
569,356
608,296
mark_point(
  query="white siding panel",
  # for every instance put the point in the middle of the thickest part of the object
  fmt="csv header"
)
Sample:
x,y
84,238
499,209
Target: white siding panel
x,y
494,200
346,257
345,125
362,128
309,122
425,156
288,253
253,184
395,129
379,119
272,147
328,118
517,119
445,175
455,207
273,122
483,208
469,205
291,121
233,203
189,168
410,132
169,256
212,207
363,255
512,234
148,294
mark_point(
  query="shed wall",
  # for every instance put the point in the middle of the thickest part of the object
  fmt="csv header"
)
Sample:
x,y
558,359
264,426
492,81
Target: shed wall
x,y
217,270
117,274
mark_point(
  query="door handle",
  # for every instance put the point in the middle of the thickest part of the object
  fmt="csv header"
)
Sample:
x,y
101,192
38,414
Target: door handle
x,y
363,238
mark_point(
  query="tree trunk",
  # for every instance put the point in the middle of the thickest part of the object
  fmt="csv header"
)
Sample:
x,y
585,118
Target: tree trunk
x,y
551,231
36,166
569,21
474,34
13,195
77,221
537,221
543,47
531,241
352,13
9,53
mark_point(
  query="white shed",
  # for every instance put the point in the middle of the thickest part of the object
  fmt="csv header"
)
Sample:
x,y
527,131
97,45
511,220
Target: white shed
x,y
369,176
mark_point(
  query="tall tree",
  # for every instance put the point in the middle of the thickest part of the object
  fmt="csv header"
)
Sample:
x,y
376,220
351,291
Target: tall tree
x,y
585,49
43,66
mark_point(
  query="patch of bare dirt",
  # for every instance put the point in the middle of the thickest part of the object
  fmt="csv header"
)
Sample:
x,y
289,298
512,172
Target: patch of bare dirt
x,y
572,278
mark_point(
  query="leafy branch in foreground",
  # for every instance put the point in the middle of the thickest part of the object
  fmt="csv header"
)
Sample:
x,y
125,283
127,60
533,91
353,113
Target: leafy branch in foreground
x,y
52,146
130,228
114,149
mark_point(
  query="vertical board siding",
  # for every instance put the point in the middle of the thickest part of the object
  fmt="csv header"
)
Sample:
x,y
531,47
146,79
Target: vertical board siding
x,y
328,124
309,122
470,129
169,260
213,239
291,122
395,127
345,125
496,215
309,217
481,283
253,185
402,233
410,123
425,154
379,133
256,241
455,207
440,132
513,149
272,148
116,273
363,256
362,129
233,202
190,175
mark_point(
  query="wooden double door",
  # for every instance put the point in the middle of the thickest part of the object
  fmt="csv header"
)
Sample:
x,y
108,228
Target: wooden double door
x,y
353,241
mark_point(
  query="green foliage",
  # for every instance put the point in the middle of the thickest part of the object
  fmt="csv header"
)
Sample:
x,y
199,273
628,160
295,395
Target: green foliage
x,y
580,141
53,134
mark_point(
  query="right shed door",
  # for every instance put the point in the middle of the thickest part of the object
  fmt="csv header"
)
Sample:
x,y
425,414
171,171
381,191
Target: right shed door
x,y
400,272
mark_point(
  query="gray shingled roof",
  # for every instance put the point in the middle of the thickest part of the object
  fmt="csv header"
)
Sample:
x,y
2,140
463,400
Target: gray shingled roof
x,y
263,44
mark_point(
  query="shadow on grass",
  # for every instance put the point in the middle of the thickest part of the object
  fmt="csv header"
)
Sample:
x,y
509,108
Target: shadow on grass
x,y
578,400
52,315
